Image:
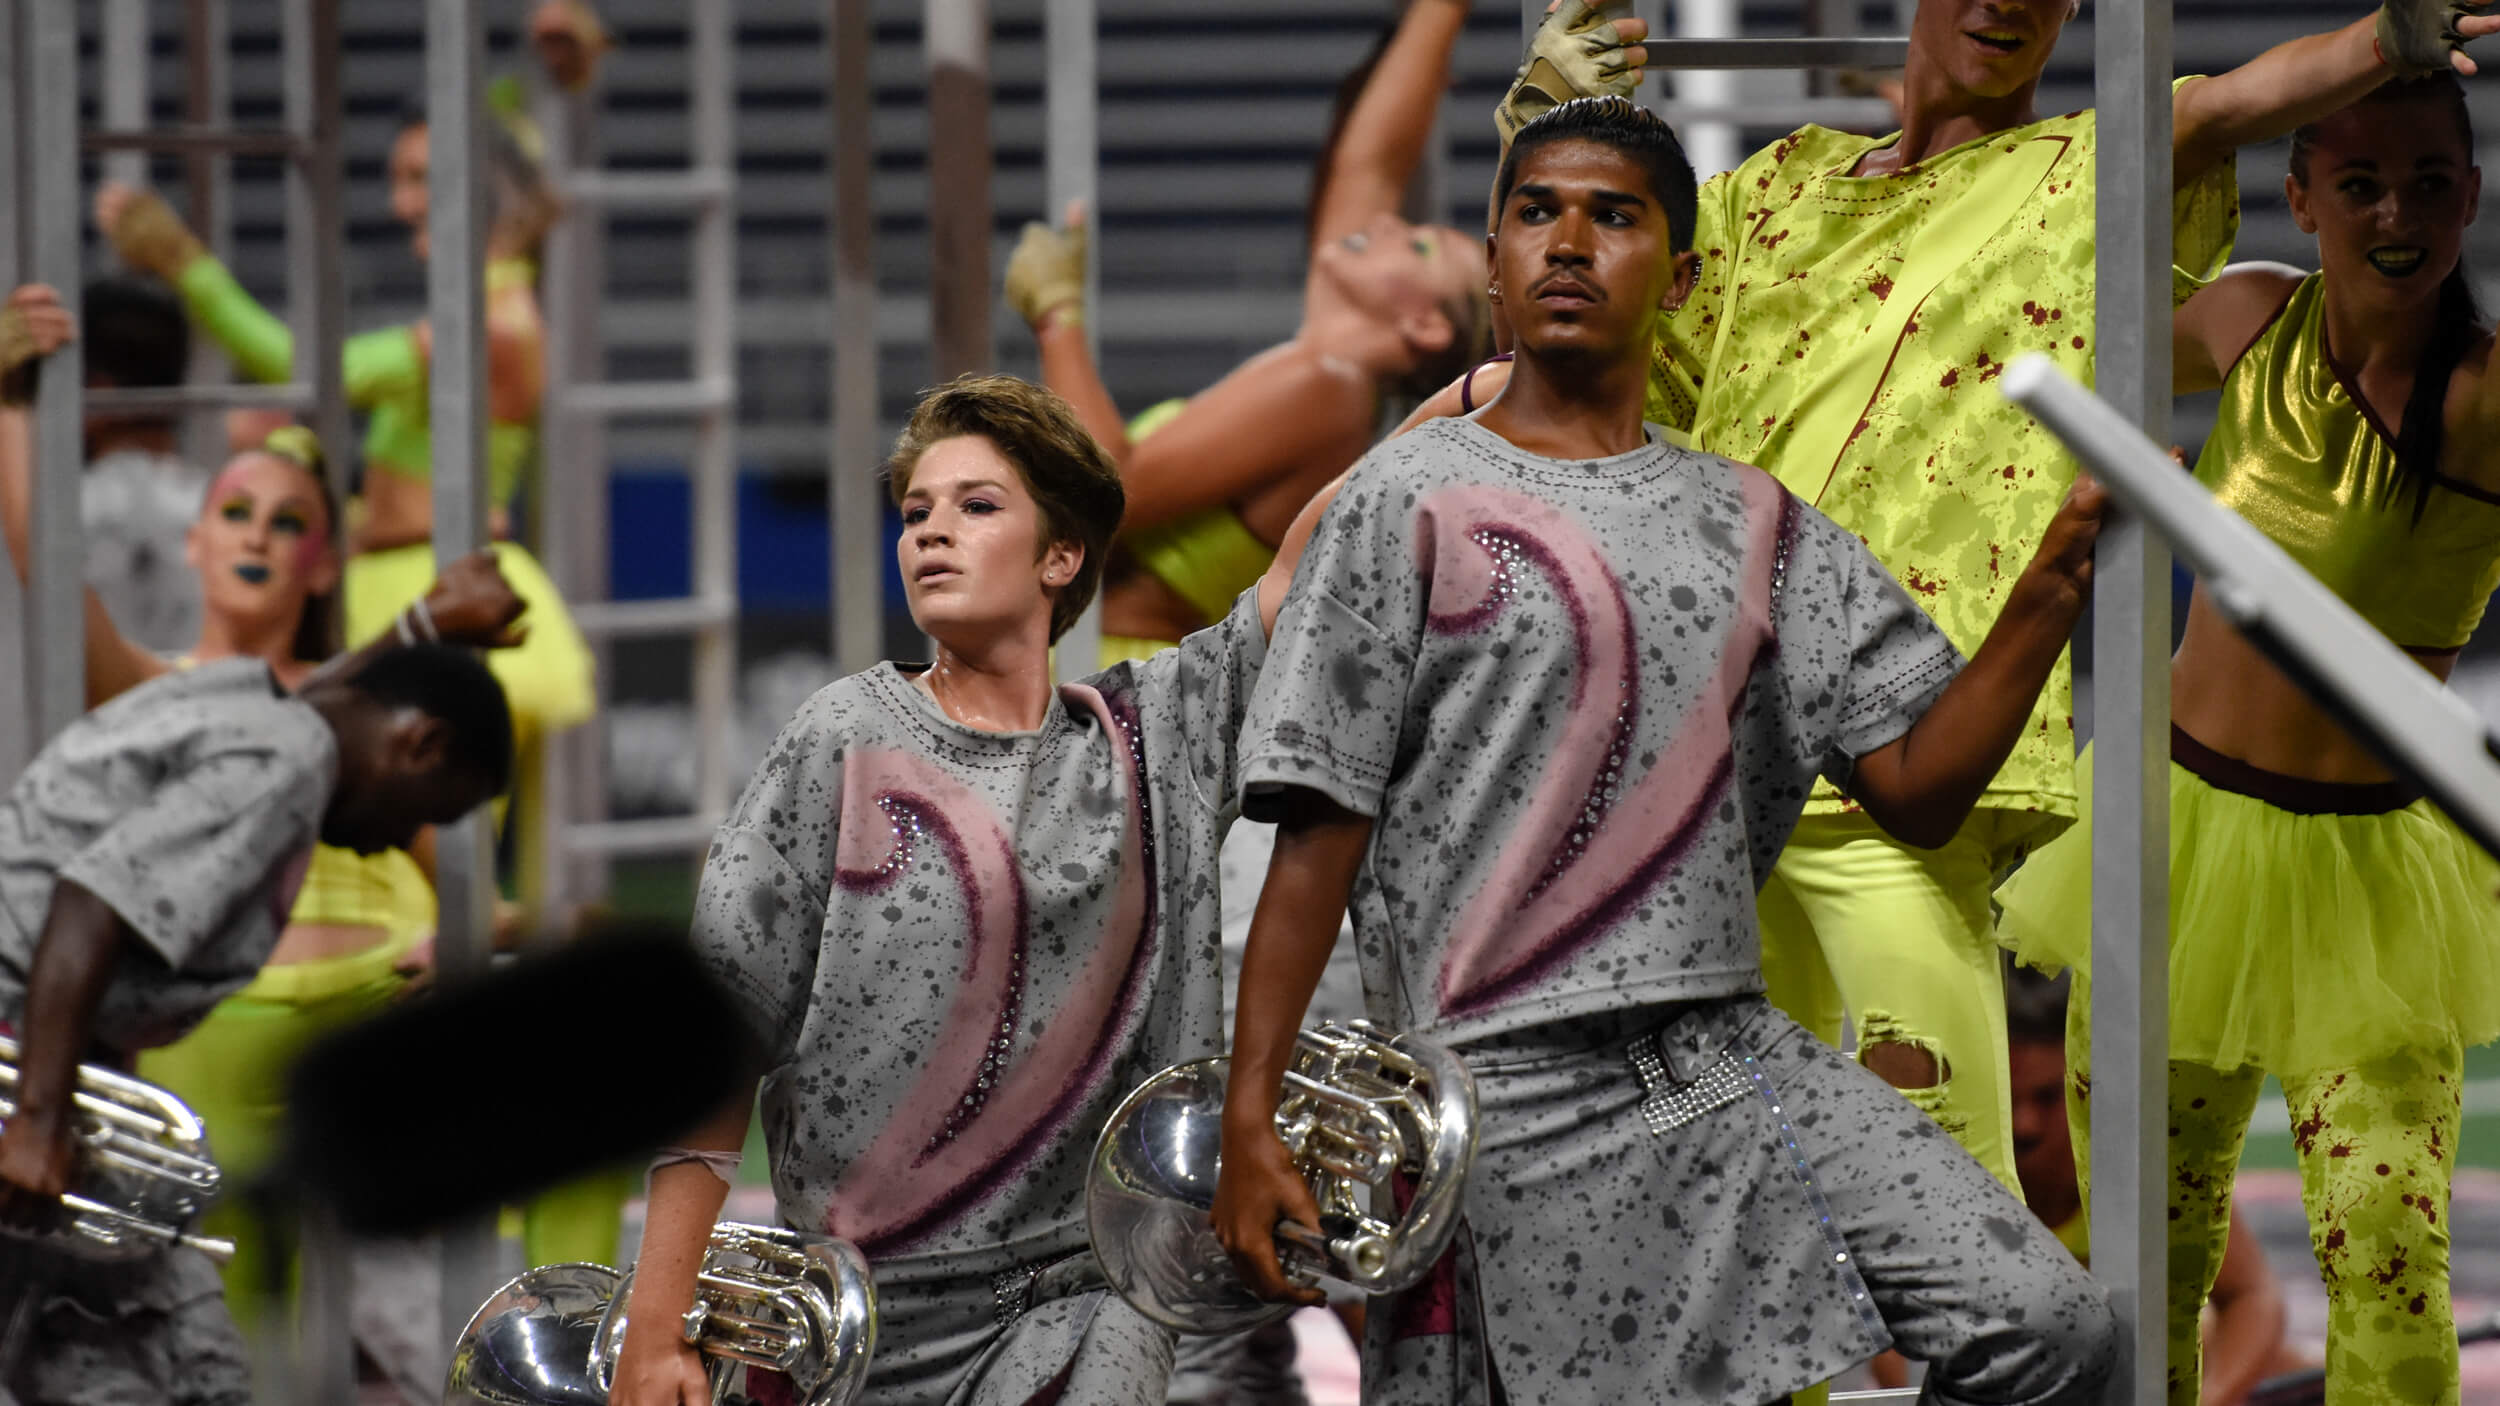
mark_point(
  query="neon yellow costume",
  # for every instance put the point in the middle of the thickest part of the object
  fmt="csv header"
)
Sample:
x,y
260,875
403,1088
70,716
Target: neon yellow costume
x,y
1842,335
2341,937
1209,557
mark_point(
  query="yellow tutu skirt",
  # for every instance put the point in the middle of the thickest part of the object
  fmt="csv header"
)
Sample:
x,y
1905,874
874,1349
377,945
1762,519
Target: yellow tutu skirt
x,y
2298,942
548,678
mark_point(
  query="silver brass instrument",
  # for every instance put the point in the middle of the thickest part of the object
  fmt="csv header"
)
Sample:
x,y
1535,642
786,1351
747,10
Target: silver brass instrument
x,y
1358,1107
766,1300
144,1175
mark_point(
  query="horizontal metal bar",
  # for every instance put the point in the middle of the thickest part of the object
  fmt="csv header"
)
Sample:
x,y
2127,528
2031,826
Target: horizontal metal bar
x,y
197,141
668,834
619,189
1786,112
650,397
1668,55
618,619
175,400
1899,1393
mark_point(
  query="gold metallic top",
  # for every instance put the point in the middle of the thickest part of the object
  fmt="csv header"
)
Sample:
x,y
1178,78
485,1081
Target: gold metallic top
x,y
2297,452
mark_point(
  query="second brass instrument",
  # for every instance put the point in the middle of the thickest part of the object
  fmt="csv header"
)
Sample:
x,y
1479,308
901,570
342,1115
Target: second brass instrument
x,y
1359,1108
144,1173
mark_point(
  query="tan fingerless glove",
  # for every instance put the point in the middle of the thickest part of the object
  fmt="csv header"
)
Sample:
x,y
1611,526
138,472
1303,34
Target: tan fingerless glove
x,y
2415,37
1046,275
150,237
1575,53
20,354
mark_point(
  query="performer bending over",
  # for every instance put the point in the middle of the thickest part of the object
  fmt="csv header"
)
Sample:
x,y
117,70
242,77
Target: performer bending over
x,y
148,857
2328,926
969,913
1856,297
1547,701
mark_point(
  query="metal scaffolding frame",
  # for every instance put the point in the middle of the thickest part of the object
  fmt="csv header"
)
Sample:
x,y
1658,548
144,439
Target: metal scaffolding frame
x,y
572,518
455,305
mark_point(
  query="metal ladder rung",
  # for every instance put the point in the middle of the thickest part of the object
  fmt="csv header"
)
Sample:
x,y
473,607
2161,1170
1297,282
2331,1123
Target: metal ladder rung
x,y
198,141
1668,55
1788,112
623,619
650,397
644,189
176,400
617,839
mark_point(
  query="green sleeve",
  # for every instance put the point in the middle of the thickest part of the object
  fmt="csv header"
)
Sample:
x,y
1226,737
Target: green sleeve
x,y
260,344
378,364
383,364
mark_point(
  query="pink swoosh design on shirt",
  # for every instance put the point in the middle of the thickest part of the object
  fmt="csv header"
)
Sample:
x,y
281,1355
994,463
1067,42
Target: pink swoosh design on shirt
x,y
969,1127
1592,841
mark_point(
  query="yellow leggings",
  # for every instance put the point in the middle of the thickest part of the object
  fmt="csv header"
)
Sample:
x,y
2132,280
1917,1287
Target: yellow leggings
x,y
2377,1148
1902,940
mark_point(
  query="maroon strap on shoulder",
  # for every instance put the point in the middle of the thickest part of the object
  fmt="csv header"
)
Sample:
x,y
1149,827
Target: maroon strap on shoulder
x,y
1467,387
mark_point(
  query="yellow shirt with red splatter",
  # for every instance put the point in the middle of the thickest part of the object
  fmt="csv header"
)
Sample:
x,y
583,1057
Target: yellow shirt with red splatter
x,y
1947,482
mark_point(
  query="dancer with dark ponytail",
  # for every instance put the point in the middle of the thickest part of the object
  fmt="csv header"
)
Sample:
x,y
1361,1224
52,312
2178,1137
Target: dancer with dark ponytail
x,y
2328,925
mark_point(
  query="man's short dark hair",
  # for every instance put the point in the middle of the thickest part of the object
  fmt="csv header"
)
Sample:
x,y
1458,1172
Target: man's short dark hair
x,y
133,333
2035,1005
454,687
1618,124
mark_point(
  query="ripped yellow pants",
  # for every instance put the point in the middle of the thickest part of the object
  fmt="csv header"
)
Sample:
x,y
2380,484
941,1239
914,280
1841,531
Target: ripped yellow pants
x,y
1902,942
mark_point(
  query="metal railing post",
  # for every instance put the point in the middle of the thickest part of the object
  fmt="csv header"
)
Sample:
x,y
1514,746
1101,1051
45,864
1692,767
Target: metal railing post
x,y
1071,156
858,444
2131,704
956,35
456,216
57,573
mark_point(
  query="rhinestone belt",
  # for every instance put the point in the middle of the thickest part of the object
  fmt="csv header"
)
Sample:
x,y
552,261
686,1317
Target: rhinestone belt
x,y
1669,1102
1019,1289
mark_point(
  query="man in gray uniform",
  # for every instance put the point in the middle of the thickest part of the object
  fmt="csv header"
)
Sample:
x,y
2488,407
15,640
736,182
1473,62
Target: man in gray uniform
x,y
1546,699
148,857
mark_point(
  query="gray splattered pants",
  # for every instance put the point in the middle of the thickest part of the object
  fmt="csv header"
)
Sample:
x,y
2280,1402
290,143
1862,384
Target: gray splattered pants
x,y
1739,1214
75,1332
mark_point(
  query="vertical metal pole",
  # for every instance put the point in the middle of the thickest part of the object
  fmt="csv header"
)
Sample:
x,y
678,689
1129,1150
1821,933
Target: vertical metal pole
x,y
456,217
2131,704
205,85
573,537
18,633
207,187
1070,155
1712,146
57,574
122,73
715,455
316,224
852,497
316,227
956,35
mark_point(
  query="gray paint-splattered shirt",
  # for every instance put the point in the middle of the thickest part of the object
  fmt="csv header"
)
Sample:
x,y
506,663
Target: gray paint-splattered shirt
x,y
962,948
190,804
1583,701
